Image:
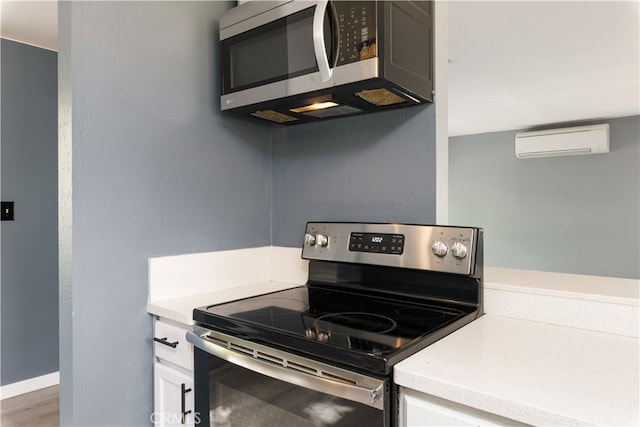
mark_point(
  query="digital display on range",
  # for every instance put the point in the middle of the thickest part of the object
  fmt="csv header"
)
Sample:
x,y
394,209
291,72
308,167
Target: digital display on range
x,y
381,243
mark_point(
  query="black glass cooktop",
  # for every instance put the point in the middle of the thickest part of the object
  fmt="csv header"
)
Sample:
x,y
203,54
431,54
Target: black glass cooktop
x,y
345,327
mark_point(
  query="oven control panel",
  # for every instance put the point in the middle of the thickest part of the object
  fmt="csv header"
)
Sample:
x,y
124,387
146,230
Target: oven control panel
x,y
425,247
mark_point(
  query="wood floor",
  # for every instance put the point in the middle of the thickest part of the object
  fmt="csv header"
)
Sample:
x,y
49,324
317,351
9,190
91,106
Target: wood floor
x,y
35,409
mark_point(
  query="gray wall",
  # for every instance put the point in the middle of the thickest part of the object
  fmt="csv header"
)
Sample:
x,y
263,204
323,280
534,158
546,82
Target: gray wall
x,y
148,168
574,214
378,168
29,292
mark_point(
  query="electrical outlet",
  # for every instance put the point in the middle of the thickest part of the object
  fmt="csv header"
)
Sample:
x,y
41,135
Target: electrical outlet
x,y
7,211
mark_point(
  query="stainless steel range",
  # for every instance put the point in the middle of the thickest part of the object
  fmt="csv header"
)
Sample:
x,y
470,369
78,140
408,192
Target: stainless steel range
x,y
323,354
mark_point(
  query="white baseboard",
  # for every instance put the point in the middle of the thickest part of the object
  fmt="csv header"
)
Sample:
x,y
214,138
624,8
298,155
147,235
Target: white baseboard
x,y
32,384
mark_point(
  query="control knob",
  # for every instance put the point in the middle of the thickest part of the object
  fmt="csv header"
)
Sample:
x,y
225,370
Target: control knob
x,y
323,336
309,239
439,248
459,250
322,240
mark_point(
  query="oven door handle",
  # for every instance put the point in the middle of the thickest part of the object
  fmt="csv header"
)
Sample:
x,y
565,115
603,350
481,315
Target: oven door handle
x,y
298,370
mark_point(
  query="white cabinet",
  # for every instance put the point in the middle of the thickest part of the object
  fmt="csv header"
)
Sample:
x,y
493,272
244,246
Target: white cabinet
x,y
173,397
172,376
419,409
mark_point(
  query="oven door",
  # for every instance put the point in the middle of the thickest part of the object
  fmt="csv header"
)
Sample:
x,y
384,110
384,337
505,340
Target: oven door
x,y
241,383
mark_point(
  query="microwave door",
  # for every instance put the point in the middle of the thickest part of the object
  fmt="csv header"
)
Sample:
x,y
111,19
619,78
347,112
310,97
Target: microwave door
x,y
287,51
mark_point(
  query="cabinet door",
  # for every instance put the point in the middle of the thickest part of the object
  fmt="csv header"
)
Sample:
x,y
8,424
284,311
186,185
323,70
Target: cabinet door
x,y
418,409
173,397
418,412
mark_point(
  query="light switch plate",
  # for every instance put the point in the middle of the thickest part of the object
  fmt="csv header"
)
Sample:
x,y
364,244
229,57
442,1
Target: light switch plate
x,y
7,211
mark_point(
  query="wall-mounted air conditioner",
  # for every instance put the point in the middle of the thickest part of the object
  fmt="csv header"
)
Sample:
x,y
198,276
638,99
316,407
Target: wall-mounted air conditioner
x,y
563,142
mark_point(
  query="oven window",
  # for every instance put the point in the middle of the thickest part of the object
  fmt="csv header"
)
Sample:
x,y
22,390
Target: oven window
x,y
241,397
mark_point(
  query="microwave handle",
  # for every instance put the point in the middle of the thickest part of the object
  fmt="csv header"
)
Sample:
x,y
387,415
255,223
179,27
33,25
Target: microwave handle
x,y
318,41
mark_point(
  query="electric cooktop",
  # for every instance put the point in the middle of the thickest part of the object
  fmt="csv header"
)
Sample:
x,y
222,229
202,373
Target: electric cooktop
x,y
375,294
345,326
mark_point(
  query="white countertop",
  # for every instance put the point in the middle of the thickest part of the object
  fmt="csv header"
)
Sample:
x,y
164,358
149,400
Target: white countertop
x,y
578,286
603,304
531,372
181,309
180,283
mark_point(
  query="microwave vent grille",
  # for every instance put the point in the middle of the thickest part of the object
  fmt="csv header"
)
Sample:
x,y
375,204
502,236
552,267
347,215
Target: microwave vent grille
x,y
273,116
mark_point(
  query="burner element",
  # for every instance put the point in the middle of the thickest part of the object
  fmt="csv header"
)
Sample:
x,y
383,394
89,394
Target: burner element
x,y
359,320
275,306
419,313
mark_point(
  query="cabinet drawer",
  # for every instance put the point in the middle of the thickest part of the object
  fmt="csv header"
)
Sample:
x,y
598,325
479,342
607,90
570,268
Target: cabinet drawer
x,y
173,347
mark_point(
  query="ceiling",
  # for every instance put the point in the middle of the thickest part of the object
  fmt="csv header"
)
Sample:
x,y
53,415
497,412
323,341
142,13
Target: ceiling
x,y
521,64
513,64
30,22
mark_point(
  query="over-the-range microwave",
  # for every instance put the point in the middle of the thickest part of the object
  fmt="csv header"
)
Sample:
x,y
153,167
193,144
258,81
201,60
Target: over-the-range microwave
x,y
297,61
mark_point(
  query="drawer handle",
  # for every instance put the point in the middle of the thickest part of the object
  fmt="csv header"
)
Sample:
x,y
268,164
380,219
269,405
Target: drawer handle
x,y
165,342
184,391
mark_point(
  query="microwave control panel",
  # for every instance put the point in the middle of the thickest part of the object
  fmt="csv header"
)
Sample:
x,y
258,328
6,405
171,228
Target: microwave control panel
x,y
357,27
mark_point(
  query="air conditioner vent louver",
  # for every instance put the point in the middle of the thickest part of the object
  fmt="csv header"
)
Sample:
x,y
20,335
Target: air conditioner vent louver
x,y
563,142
